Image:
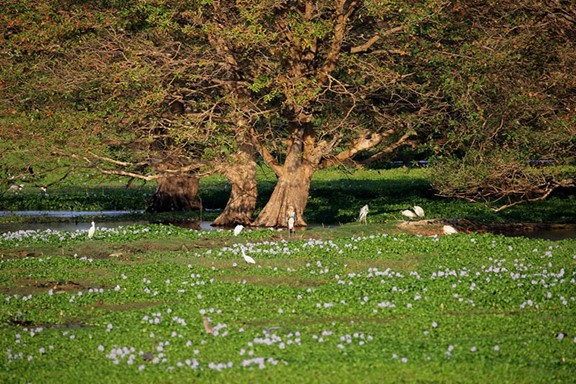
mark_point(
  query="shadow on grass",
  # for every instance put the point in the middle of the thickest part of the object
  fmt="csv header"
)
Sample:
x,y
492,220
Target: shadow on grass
x,y
339,201
333,199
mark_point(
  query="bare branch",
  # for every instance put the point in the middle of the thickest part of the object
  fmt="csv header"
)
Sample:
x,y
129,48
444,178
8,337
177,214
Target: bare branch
x,y
367,45
364,47
506,206
129,174
364,141
117,162
391,148
266,155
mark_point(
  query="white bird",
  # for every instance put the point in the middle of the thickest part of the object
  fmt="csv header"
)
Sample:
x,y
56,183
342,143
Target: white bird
x,y
363,214
92,230
418,211
409,214
247,258
449,230
290,219
238,229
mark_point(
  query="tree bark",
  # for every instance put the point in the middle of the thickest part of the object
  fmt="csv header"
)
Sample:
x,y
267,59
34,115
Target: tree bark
x,y
294,177
242,176
291,190
175,193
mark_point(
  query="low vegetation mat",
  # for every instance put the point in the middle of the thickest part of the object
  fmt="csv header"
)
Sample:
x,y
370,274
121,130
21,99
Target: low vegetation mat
x,y
161,304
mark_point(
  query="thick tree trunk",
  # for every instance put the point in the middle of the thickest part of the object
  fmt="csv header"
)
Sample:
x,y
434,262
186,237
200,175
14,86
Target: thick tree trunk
x,y
294,178
175,193
241,204
291,191
242,177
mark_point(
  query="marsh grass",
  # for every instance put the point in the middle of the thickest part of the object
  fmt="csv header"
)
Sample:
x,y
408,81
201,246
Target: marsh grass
x,y
343,303
350,306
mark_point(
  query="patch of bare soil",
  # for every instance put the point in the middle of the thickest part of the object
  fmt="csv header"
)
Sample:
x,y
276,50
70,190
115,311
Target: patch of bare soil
x,y
422,227
34,286
434,227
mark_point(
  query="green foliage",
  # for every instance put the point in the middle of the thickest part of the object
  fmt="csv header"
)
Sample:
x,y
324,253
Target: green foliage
x,y
77,199
466,308
491,66
469,78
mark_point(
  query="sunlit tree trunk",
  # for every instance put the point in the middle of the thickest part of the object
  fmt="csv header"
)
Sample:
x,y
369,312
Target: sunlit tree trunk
x,y
291,190
242,176
294,178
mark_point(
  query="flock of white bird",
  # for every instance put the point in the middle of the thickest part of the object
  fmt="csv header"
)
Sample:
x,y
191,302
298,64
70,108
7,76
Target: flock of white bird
x,y
291,221
416,212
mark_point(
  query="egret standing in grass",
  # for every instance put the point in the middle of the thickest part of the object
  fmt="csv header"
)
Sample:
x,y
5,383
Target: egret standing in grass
x,y
92,231
409,214
363,214
418,211
247,258
238,229
290,219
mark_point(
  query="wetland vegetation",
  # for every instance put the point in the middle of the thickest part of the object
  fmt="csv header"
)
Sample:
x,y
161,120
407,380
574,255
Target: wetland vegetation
x,y
349,303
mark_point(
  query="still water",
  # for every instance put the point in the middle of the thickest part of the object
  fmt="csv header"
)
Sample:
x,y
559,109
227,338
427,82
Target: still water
x,y
77,216
567,232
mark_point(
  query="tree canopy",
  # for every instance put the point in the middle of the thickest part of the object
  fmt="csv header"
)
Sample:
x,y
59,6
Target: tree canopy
x,y
180,89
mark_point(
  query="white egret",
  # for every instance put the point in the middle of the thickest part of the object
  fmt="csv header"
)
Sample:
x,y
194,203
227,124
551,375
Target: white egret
x,y
290,219
92,231
363,214
449,230
409,214
238,229
247,258
418,211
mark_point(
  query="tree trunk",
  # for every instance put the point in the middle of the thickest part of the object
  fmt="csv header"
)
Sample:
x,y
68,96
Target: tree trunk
x,y
291,190
175,193
294,178
242,177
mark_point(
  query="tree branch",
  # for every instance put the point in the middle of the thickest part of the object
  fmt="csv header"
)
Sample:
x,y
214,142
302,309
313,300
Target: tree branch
x,y
364,141
337,40
386,151
364,47
116,162
266,155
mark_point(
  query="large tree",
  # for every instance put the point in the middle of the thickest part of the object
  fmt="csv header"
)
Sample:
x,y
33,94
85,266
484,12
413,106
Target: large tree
x,y
110,86
318,81
171,91
174,90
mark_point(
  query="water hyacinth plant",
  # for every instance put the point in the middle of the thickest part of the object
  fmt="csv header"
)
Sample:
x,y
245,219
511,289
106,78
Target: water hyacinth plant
x,y
363,308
